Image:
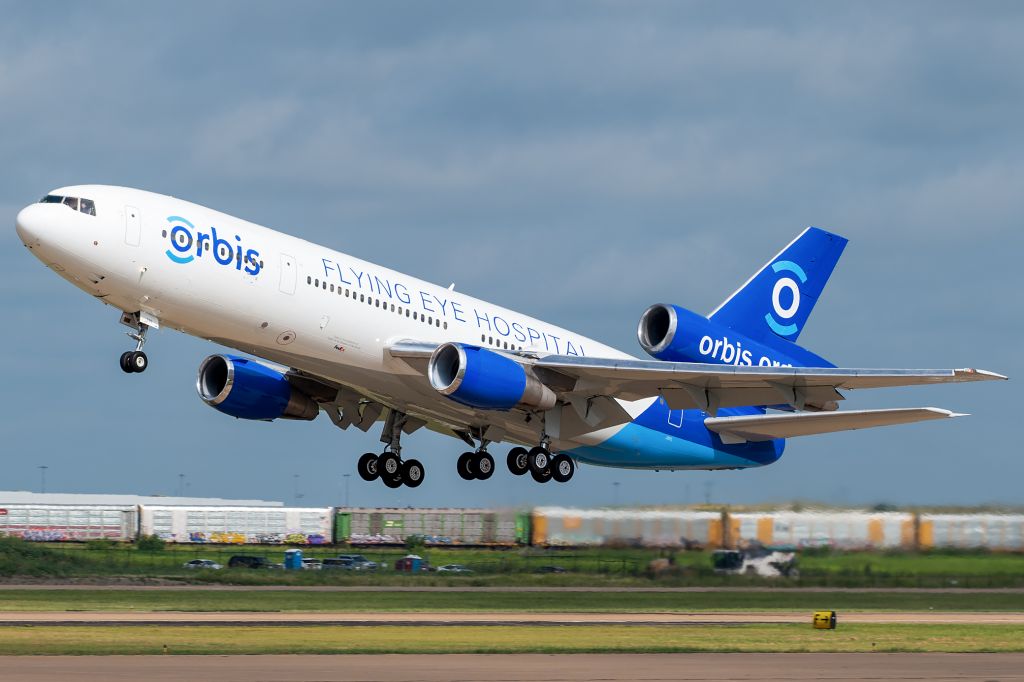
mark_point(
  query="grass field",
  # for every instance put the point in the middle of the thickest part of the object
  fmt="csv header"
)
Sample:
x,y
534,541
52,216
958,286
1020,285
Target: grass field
x,y
500,639
594,602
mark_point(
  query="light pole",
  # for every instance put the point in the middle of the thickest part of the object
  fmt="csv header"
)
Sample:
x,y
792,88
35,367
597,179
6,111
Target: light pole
x,y
346,477
295,487
181,485
42,476
615,493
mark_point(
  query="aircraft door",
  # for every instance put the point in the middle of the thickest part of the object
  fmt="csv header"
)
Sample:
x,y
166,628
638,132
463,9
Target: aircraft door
x,y
132,226
288,274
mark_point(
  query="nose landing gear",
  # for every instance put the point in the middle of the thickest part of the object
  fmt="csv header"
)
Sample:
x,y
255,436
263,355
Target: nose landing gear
x,y
135,361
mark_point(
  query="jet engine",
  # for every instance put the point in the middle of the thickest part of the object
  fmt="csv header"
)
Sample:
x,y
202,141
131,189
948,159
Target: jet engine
x,y
481,378
246,389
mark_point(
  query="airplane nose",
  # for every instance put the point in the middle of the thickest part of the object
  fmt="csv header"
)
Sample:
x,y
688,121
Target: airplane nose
x,y
28,224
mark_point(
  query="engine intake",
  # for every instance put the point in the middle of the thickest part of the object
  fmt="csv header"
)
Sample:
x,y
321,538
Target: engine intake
x,y
247,389
481,378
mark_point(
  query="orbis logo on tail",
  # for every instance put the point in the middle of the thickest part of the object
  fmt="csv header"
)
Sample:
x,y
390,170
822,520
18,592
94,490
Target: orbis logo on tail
x,y
188,244
785,298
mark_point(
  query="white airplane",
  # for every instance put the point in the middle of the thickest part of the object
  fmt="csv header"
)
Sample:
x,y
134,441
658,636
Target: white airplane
x,y
363,344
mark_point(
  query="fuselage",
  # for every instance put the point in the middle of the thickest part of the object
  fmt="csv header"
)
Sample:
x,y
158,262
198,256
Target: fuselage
x,y
334,316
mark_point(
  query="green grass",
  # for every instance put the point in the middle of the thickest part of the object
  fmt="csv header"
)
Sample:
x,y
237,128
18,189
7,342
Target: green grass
x,y
53,640
595,601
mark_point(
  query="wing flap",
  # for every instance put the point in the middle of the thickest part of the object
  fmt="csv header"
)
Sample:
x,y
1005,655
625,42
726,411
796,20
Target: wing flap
x,y
769,426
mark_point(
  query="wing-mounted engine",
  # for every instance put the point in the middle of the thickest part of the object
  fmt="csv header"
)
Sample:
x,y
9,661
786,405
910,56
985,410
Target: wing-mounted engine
x,y
247,389
668,332
483,379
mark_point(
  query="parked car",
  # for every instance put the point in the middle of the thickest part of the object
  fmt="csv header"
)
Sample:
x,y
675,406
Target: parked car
x,y
241,561
453,568
359,562
339,564
550,569
202,563
312,564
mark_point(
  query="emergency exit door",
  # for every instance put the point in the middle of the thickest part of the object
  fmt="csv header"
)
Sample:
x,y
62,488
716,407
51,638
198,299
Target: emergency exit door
x,y
288,275
132,226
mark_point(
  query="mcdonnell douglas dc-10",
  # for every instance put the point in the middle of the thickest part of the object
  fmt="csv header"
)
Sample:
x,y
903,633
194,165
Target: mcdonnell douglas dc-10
x,y
365,344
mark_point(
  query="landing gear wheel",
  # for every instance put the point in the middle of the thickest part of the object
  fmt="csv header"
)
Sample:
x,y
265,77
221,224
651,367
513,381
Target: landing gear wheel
x,y
367,467
542,476
518,461
465,466
412,473
125,357
392,481
138,361
483,465
562,468
389,467
539,459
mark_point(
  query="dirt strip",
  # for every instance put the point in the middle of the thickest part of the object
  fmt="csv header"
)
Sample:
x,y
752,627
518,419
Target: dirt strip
x,y
519,667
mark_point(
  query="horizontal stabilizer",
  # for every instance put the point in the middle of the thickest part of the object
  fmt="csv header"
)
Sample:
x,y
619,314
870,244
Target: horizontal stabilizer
x,y
768,426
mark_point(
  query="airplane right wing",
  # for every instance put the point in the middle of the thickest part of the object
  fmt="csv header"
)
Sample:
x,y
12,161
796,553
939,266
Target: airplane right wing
x,y
761,427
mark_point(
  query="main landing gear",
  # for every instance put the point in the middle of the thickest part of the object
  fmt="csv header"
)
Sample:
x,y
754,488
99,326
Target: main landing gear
x,y
540,464
389,466
478,465
134,361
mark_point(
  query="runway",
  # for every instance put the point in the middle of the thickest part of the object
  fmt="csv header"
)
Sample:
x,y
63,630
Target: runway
x,y
421,618
519,667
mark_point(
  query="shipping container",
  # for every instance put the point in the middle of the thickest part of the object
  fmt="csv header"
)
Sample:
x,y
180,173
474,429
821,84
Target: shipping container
x,y
1004,532
477,527
238,525
60,523
838,529
557,526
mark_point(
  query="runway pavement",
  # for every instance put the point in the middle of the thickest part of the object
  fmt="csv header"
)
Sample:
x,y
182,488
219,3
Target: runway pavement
x,y
292,618
518,667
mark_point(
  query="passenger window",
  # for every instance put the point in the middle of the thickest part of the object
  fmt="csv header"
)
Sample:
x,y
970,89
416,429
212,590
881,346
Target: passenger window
x,y
414,316
325,285
392,307
437,322
346,293
446,324
87,207
399,310
316,282
430,320
332,288
362,297
309,280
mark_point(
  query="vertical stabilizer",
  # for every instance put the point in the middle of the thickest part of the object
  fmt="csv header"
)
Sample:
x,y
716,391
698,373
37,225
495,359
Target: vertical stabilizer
x,y
776,302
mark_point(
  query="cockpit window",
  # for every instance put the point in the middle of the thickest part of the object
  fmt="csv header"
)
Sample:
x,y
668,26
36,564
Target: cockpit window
x,y
87,206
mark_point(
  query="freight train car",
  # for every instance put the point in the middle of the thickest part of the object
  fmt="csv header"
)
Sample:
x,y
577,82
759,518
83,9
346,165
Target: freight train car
x,y
64,523
474,527
838,529
557,526
1004,532
237,525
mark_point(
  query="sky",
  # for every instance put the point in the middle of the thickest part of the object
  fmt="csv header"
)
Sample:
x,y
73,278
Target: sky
x,y
575,161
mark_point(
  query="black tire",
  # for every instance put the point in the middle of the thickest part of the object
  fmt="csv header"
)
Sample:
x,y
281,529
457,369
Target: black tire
x,y
518,461
539,459
562,468
392,481
389,466
138,361
413,473
125,357
367,467
465,466
483,465
541,476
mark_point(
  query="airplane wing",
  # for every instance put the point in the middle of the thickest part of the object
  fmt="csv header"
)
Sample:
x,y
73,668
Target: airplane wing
x,y
769,426
709,387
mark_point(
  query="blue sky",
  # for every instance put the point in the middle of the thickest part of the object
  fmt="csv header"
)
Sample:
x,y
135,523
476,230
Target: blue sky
x,y
575,161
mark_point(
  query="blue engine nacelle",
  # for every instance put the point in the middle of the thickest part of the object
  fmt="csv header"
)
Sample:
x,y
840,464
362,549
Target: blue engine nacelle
x,y
246,389
669,332
481,378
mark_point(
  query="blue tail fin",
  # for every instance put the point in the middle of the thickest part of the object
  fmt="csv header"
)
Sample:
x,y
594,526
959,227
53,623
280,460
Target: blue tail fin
x,y
776,302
